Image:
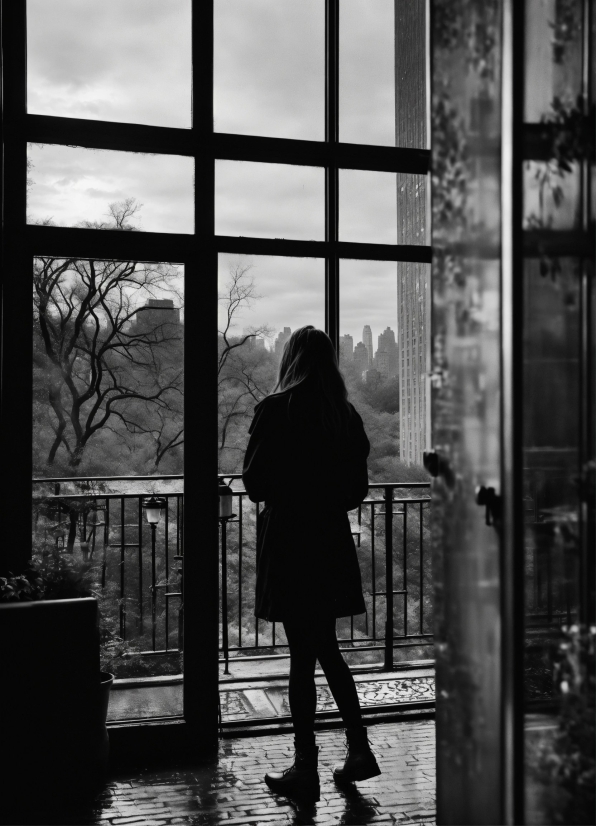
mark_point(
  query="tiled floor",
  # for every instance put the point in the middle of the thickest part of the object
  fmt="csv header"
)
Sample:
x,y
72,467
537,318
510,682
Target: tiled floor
x,y
231,790
253,699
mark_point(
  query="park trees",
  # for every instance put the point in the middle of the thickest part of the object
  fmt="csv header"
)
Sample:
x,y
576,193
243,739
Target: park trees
x,y
246,372
101,363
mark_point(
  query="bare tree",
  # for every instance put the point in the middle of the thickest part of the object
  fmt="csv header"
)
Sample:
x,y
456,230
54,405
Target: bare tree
x,y
99,363
245,373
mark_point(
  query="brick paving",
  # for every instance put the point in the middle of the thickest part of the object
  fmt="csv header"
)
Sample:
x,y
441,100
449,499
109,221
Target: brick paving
x,y
230,790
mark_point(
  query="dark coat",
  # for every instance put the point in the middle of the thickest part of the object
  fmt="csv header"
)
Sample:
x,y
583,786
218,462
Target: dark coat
x,y
308,478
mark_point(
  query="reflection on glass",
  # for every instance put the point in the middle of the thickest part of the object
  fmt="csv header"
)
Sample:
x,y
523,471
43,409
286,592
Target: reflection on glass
x,y
551,195
113,61
262,300
269,68
103,189
108,389
466,385
553,53
263,200
553,568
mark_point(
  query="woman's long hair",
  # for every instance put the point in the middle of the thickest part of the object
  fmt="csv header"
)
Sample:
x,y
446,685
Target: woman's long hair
x,y
309,359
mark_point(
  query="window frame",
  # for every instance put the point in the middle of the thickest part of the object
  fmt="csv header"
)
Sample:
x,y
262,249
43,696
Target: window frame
x,y
198,253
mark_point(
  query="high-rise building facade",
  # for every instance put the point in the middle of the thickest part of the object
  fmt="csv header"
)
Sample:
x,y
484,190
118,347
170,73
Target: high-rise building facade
x,y
346,347
367,340
386,357
156,313
413,296
361,357
413,279
281,339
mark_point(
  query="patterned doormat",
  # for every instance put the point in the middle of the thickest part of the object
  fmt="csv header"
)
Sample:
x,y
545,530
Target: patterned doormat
x,y
272,700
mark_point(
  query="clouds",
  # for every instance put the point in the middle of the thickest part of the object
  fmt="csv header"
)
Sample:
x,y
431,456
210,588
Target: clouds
x,y
270,68
130,61
114,60
72,184
367,72
291,292
270,200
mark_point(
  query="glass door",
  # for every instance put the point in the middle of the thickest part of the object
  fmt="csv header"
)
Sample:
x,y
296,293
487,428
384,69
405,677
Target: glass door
x,y
466,388
513,410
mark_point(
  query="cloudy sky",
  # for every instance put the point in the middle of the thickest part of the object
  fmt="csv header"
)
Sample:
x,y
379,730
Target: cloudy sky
x,y
133,64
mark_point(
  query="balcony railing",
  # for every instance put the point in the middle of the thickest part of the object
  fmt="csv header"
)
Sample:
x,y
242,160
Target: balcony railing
x,y
138,577
391,530
141,580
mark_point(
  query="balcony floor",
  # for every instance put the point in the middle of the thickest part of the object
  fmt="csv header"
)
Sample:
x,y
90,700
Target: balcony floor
x,y
245,696
230,790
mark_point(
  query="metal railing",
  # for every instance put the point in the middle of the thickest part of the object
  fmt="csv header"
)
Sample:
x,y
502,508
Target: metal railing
x,y
139,567
140,573
398,524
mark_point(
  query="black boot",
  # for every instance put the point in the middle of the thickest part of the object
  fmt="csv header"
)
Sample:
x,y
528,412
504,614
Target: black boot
x,y
301,779
360,761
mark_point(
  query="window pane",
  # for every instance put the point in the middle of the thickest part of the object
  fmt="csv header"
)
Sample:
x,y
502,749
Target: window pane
x,y
367,72
263,298
552,539
369,357
269,68
72,186
113,61
553,56
108,390
382,207
266,200
382,72
383,354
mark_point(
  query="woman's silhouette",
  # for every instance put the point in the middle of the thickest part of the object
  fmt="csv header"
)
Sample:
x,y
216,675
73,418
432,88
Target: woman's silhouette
x,y
306,459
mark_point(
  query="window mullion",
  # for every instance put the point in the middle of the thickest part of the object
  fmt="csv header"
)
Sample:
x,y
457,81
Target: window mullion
x,y
331,171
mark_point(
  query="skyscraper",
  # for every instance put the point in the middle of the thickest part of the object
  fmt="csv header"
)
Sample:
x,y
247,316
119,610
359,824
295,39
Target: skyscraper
x,y
346,347
156,313
361,357
281,339
413,297
413,279
368,343
386,357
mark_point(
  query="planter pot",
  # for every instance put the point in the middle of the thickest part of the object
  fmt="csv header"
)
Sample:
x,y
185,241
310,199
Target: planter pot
x,y
51,710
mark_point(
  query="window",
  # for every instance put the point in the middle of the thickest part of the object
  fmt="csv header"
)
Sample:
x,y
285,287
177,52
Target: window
x,y
204,166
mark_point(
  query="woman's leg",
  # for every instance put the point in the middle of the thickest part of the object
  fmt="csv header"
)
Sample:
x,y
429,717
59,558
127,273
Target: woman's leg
x,y
337,673
302,692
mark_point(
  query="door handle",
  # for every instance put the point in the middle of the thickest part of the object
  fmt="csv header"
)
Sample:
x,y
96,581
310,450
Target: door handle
x,y
491,501
437,466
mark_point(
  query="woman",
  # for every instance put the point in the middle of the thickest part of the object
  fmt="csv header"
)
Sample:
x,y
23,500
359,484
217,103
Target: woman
x,y
306,459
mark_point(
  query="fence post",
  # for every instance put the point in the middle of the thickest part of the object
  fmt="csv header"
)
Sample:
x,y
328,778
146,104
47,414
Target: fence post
x,y
389,578
224,597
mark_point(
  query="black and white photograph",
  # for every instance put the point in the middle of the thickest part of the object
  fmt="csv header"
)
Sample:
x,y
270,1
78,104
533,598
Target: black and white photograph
x,y
298,412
